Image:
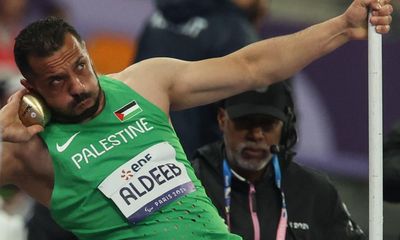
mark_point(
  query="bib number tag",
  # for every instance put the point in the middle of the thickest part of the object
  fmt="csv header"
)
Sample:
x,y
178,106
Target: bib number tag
x,y
147,182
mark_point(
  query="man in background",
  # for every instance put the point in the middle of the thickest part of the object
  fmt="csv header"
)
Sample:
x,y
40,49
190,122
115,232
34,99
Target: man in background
x,y
251,178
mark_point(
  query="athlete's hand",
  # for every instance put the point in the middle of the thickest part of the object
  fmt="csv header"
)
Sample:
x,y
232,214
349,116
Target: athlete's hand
x,y
357,14
12,129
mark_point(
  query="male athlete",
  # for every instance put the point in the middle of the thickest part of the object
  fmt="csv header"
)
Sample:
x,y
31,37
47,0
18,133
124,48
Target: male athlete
x,y
109,165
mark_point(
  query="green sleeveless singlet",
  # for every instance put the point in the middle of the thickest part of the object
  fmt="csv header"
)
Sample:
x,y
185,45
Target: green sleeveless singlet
x,y
124,175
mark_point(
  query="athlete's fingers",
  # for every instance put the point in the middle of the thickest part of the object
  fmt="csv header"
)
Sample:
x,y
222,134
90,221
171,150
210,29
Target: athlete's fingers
x,y
35,129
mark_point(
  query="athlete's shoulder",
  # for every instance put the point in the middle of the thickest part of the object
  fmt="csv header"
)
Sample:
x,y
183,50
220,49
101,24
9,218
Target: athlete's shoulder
x,y
130,73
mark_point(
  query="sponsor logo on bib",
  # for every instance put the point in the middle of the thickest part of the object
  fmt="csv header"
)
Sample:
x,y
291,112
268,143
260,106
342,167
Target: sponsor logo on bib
x,y
147,182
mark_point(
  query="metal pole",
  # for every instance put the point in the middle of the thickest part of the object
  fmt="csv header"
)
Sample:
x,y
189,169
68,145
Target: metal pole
x,y
375,133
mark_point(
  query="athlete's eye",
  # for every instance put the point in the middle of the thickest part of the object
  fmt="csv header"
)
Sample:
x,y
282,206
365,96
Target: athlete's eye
x,y
81,66
55,81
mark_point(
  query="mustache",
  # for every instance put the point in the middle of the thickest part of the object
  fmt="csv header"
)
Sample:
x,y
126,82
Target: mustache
x,y
254,145
79,98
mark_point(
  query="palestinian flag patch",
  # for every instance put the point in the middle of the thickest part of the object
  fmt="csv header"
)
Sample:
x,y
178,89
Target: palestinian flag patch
x,y
129,110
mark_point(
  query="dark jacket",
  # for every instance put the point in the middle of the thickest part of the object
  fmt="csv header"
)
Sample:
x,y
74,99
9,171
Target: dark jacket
x,y
315,211
391,166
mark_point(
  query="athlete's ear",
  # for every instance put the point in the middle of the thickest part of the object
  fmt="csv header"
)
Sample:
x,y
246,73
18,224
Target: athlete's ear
x,y
27,84
83,45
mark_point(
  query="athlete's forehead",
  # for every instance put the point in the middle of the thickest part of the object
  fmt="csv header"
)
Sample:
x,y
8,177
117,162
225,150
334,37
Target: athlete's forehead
x,y
70,53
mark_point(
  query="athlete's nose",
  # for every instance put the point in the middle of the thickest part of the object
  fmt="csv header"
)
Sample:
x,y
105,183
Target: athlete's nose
x,y
77,86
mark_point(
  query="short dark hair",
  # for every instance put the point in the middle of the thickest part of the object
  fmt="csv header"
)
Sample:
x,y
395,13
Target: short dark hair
x,y
41,38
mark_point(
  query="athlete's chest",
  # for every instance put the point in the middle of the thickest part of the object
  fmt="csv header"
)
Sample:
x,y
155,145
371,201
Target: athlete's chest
x,y
85,149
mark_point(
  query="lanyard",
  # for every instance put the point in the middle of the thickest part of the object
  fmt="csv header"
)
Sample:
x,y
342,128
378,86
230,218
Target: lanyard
x,y
282,225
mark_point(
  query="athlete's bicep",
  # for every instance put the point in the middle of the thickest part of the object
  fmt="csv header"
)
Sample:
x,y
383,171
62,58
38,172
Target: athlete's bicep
x,y
178,84
206,81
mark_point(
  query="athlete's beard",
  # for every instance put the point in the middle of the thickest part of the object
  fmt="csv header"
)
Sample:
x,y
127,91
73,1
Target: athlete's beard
x,y
236,158
86,114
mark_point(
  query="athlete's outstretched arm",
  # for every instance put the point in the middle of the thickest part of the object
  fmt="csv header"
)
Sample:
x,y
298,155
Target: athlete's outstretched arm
x,y
189,84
